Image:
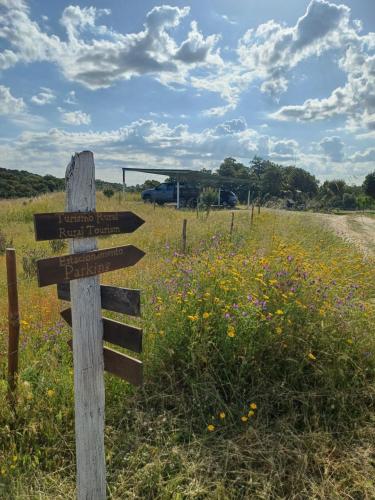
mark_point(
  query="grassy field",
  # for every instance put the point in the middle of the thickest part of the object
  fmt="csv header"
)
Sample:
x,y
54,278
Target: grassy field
x,y
259,363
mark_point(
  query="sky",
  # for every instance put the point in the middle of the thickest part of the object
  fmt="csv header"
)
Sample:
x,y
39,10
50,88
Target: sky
x,y
186,84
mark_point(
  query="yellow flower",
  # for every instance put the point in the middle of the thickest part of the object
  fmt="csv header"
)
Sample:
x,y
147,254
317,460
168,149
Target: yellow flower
x,y
244,418
193,318
279,330
231,332
206,315
280,312
251,413
50,393
272,282
222,415
350,341
311,356
210,427
253,406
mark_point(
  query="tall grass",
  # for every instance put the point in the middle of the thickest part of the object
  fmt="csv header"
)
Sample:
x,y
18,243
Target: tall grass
x,y
259,359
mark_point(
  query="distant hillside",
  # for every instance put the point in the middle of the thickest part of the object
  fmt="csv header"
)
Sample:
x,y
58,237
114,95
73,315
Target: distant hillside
x,y
20,183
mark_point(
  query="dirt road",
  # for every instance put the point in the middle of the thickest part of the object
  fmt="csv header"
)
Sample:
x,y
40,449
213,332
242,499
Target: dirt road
x,y
356,228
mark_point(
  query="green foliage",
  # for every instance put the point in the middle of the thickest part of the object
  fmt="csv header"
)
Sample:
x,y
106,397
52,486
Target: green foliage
x,y
232,168
108,193
57,246
20,183
29,259
208,197
4,242
369,185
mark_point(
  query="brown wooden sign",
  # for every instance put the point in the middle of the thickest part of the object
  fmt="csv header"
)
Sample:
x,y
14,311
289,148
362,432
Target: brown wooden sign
x,y
115,332
116,299
62,225
121,365
83,264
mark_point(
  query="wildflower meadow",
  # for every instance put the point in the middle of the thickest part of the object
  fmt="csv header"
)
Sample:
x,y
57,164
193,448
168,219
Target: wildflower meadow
x,y
258,352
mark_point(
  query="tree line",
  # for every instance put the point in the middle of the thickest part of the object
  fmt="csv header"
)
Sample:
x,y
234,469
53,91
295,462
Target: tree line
x,y
20,183
294,187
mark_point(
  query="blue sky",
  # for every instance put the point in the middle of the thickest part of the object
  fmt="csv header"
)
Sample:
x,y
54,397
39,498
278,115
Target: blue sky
x,y
185,84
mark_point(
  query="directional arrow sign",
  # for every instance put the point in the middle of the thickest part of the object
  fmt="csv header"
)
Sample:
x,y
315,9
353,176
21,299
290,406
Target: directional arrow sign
x,y
62,225
115,332
121,300
84,264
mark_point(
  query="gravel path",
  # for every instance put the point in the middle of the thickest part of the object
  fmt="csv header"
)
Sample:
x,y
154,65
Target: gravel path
x,y
356,228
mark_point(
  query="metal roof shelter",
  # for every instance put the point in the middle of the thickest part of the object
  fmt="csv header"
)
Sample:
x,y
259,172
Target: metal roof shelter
x,y
185,175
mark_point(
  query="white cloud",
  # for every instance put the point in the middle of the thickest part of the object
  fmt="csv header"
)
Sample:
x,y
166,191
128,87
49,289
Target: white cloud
x,y
272,50
97,56
355,100
45,96
333,148
364,156
10,105
74,117
227,19
71,98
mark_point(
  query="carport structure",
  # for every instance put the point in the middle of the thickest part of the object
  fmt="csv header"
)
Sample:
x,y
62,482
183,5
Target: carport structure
x,y
198,177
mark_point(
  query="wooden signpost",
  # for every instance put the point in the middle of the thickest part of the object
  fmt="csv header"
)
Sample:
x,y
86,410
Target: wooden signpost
x,y
76,276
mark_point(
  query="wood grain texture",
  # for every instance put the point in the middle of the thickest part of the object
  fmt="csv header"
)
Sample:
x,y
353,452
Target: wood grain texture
x,y
120,334
83,264
89,399
116,299
63,225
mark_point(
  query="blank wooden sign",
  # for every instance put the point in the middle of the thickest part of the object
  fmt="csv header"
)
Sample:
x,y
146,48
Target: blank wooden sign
x,y
84,264
115,332
63,225
116,299
121,365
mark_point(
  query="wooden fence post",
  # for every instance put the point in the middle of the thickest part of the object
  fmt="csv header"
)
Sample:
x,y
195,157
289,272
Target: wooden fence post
x,y
184,224
13,322
231,224
87,342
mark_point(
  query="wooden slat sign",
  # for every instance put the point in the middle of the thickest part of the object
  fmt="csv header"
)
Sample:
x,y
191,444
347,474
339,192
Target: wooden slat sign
x,y
83,264
116,299
115,332
63,225
121,365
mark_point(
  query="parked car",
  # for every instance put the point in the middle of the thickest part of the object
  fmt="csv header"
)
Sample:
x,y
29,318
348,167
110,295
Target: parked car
x,y
228,198
167,193
189,195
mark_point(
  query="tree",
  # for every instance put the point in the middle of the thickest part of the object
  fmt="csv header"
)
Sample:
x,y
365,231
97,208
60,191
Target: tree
x,y
232,168
298,179
271,180
369,185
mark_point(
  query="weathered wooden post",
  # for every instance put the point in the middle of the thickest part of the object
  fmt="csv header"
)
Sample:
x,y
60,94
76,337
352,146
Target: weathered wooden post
x,y
231,224
81,223
87,342
184,224
13,323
